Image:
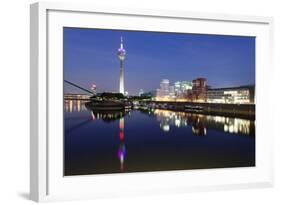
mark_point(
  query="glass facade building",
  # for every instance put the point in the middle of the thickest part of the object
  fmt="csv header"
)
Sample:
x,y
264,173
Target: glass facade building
x,y
232,95
182,88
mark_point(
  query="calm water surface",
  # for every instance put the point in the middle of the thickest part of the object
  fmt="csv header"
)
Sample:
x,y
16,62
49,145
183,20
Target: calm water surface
x,y
153,140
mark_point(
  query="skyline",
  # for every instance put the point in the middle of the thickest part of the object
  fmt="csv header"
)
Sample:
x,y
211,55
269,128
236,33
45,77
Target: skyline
x,y
90,56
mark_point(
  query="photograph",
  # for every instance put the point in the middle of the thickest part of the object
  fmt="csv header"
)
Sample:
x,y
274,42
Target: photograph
x,y
150,101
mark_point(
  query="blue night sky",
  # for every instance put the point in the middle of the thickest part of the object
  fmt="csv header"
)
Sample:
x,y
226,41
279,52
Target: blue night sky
x,y
90,56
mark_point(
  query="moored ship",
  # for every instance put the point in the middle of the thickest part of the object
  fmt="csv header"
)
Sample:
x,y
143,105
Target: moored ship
x,y
106,105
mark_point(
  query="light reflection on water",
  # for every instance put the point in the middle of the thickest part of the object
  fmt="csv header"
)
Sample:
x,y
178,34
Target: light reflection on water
x,y
74,106
168,122
168,118
200,122
122,146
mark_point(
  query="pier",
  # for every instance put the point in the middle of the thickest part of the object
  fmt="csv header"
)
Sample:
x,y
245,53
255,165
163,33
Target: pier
x,y
232,110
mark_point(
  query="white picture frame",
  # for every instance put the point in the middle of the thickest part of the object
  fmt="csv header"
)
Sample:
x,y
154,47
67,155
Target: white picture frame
x,y
46,179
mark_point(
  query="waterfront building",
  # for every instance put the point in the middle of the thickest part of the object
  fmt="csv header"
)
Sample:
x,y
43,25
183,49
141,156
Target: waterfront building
x,y
149,94
172,92
186,85
121,55
178,91
164,88
182,88
163,92
199,89
232,95
158,93
141,92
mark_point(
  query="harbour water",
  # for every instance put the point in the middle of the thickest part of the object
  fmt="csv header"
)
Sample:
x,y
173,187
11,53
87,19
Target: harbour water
x,y
144,139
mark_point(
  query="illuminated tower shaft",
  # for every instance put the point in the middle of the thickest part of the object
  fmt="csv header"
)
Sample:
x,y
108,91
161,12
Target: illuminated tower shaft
x,y
121,83
121,55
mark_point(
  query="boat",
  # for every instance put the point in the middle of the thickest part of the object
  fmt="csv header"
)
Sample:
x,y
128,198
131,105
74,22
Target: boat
x,y
105,105
195,108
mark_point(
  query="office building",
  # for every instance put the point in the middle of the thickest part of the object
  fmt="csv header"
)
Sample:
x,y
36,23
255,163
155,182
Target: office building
x,y
199,89
232,95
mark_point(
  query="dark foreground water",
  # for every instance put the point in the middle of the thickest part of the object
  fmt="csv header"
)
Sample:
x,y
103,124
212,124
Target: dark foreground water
x,y
153,140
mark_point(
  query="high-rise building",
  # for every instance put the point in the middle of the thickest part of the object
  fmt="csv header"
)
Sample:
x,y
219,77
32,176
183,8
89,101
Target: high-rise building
x,y
182,88
158,93
178,91
121,55
186,85
178,88
172,92
163,92
199,89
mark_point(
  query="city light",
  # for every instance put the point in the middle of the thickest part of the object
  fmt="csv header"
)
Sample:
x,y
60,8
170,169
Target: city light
x,y
198,91
199,123
169,102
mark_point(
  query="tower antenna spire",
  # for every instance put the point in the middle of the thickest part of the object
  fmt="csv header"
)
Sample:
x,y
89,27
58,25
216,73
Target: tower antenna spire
x,y
121,45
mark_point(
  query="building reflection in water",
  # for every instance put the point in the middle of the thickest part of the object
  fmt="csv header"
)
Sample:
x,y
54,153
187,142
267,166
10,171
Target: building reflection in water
x,y
232,125
169,118
74,106
200,123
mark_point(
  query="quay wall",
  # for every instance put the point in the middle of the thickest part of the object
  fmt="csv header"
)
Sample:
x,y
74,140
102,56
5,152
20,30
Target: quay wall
x,y
245,110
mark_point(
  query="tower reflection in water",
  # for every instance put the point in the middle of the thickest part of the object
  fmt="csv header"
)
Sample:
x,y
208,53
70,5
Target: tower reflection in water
x,y
109,116
110,151
122,146
199,123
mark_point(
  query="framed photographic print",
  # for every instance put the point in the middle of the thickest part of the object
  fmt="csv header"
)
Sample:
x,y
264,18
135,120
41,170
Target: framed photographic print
x,y
129,101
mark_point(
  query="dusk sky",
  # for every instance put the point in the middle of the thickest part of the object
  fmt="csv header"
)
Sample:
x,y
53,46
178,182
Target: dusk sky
x,y
90,56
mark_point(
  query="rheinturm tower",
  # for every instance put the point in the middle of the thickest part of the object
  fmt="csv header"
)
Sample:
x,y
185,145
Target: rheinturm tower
x,y
121,54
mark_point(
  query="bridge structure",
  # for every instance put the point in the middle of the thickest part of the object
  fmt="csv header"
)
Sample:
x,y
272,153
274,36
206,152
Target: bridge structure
x,y
74,96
